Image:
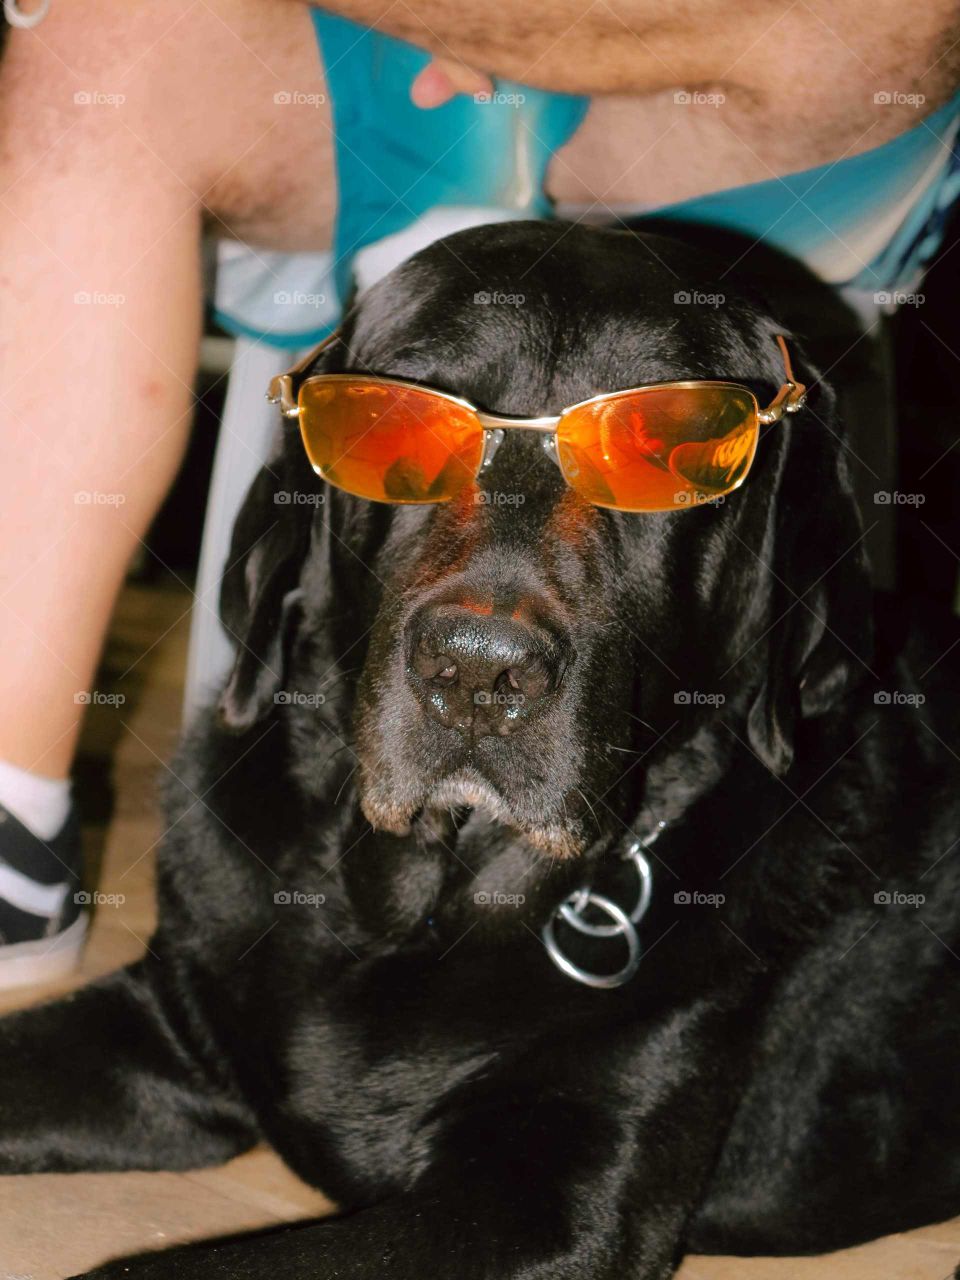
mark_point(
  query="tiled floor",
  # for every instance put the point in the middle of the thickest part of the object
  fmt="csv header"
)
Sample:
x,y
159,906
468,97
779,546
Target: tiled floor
x,y
53,1226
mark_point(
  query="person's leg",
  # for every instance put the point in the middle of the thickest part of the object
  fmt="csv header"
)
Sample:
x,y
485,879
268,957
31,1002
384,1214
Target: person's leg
x,y
99,251
99,245
109,157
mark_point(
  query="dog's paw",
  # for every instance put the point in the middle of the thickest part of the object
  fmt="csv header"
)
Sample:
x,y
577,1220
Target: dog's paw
x,y
151,1266
310,1253
368,1245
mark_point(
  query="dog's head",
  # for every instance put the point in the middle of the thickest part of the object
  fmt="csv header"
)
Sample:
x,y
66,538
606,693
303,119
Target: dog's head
x,y
517,650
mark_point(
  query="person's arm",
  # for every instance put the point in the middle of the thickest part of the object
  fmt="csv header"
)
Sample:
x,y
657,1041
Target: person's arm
x,y
644,46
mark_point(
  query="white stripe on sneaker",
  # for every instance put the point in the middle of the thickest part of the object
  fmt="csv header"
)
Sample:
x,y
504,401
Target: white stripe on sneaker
x,y
27,895
25,964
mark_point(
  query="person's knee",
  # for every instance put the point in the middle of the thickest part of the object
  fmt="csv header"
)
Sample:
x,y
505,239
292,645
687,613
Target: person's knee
x,y
116,83
182,99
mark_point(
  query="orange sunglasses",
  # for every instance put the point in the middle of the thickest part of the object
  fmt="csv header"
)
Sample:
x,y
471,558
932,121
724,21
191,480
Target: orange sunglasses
x,y
661,447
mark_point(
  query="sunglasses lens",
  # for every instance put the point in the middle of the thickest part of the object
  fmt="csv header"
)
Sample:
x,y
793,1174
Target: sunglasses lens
x,y
659,449
389,443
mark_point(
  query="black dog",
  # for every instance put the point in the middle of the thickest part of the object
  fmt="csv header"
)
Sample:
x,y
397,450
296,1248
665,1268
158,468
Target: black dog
x,y
350,961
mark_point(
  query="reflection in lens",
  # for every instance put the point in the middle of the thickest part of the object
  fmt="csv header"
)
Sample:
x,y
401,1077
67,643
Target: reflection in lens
x,y
578,468
659,449
389,443
717,464
404,481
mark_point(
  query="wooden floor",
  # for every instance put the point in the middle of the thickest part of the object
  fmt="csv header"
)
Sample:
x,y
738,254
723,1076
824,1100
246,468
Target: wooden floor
x,y
54,1226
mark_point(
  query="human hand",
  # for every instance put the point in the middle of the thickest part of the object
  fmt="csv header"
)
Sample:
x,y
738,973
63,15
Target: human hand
x,y
443,78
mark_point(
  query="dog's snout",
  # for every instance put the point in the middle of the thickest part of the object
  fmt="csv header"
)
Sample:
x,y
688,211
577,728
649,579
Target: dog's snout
x,y
481,672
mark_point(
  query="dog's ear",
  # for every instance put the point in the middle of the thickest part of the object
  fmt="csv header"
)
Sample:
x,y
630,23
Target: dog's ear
x,y
821,641
260,596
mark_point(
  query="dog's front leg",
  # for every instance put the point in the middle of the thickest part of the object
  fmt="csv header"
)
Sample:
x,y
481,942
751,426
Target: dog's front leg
x,y
103,1080
515,1202
587,1164
522,1202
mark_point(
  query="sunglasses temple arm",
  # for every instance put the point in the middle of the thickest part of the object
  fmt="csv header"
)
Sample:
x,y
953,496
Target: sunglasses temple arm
x,y
791,395
281,389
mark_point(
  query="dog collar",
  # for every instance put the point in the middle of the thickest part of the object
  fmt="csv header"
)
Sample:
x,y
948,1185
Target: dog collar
x,y
573,912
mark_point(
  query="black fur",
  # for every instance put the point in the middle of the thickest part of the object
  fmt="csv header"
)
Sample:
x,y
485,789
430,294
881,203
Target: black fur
x,y
778,1077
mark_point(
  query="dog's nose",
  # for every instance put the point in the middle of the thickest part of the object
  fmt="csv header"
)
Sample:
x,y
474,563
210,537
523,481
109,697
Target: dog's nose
x,y
482,673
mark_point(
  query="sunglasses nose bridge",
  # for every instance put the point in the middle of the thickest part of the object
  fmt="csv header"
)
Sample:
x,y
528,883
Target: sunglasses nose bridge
x,y
493,438
496,427
549,444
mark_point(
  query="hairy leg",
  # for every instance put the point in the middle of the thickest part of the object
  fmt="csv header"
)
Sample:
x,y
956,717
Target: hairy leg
x,y
123,128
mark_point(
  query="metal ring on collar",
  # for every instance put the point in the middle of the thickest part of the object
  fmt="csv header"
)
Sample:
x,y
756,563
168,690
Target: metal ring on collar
x,y
572,910
623,926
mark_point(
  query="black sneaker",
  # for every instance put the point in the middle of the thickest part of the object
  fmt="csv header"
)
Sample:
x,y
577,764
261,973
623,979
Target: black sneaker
x,y
42,922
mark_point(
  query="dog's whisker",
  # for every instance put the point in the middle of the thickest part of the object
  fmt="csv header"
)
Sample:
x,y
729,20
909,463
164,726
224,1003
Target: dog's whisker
x,y
639,720
336,798
339,678
593,813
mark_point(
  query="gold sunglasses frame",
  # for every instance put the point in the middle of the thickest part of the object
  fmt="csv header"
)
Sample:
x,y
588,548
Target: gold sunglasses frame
x,y
284,391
